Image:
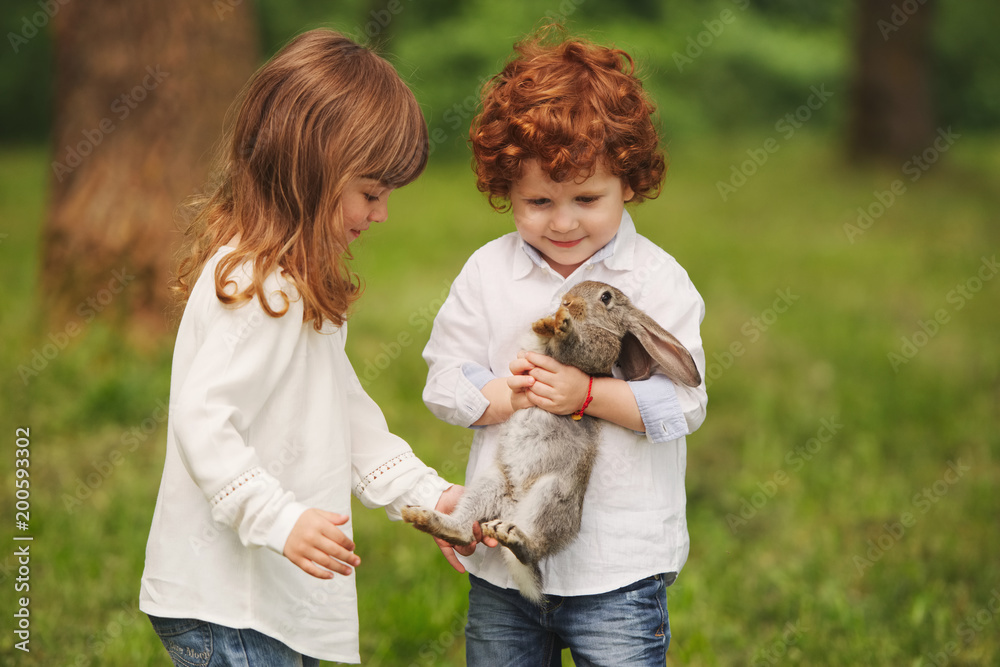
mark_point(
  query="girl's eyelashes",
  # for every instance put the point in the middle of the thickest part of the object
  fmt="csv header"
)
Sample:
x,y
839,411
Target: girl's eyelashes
x,y
371,198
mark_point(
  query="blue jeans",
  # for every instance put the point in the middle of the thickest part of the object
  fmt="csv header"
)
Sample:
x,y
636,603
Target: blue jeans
x,y
193,643
628,626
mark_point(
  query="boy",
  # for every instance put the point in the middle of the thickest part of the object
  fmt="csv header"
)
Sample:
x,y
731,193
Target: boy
x,y
565,140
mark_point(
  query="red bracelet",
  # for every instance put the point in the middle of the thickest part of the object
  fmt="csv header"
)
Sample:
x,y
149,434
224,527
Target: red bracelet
x,y
578,415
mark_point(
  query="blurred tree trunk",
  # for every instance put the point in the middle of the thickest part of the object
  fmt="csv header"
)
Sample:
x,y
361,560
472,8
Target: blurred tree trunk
x,y
891,115
141,90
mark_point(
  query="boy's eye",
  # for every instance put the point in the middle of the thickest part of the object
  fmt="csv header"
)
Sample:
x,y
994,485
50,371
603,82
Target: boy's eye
x,y
541,201
587,199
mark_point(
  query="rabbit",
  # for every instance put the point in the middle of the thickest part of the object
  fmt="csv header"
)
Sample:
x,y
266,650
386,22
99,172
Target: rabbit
x,y
531,501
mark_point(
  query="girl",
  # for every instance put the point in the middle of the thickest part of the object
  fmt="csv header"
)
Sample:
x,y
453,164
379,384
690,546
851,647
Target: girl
x,y
250,556
565,140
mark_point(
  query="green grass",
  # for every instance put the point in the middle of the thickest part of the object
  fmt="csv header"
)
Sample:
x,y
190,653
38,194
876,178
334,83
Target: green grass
x,y
827,526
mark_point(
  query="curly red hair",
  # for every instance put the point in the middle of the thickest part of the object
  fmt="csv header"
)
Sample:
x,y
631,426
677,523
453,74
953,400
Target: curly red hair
x,y
569,105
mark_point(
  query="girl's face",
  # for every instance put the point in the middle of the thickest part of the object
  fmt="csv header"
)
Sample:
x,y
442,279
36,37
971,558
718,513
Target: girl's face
x,y
570,221
365,201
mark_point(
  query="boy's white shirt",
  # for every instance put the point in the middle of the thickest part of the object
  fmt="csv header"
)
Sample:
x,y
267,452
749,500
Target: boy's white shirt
x,y
634,523
267,418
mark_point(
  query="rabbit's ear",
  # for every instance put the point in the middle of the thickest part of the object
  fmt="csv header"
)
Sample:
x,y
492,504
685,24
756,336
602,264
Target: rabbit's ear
x,y
647,342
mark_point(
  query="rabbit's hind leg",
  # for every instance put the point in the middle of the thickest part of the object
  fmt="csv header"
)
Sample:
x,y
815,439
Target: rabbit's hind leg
x,y
542,522
510,536
482,500
439,525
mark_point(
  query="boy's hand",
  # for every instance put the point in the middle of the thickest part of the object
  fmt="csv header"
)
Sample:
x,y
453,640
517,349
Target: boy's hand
x,y
557,388
520,382
319,547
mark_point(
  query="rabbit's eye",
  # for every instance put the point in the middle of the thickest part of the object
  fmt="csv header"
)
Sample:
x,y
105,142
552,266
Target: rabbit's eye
x,y
606,298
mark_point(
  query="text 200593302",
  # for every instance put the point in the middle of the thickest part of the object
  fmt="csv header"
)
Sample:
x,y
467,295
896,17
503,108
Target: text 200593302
x,y
22,536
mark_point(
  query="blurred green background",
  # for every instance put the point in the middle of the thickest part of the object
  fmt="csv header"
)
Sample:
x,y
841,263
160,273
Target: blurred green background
x,y
842,493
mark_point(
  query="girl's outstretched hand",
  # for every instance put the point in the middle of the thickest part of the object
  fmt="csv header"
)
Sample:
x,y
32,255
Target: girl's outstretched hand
x,y
319,547
446,504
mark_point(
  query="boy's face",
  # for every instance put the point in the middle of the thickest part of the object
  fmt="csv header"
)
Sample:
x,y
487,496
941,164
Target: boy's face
x,y
570,221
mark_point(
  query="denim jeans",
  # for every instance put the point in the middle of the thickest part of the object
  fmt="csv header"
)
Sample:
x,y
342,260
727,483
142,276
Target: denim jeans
x,y
193,643
628,626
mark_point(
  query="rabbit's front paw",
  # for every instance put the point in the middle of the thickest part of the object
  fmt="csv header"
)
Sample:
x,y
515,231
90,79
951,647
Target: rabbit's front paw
x,y
562,322
544,327
557,325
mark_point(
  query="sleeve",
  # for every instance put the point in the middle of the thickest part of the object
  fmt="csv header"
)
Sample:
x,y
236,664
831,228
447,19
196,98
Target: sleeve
x,y
669,410
242,355
385,471
457,355
659,408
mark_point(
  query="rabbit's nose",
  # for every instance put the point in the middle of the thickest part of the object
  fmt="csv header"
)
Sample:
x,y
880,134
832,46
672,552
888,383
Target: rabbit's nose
x,y
576,306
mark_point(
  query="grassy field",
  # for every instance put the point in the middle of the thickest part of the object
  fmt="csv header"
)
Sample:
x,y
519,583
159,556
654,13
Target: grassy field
x,y
841,495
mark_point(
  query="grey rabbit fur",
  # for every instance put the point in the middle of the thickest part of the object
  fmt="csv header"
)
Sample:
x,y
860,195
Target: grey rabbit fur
x,y
531,501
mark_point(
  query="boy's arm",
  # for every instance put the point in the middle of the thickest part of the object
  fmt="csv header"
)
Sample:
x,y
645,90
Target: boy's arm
x,y
505,395
671,410
562,390
457,355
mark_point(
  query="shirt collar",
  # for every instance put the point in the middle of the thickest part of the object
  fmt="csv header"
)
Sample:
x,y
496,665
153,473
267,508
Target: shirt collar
x,y
617,254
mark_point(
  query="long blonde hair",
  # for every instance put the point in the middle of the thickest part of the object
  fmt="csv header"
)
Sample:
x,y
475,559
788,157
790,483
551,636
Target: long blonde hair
x,y
322,112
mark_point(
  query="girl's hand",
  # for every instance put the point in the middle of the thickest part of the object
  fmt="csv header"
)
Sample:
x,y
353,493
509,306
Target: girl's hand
x,y
446,504
319,547
557,388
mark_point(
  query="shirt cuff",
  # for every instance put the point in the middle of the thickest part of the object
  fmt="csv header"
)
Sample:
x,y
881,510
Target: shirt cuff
x,y
425,494
477,375
659,408
470,400
282,526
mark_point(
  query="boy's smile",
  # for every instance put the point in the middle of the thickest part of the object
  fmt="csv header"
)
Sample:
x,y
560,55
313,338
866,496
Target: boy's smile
x,y
567,222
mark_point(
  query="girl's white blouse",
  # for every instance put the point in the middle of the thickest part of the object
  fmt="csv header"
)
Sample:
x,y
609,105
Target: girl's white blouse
x,y
267,418
634,523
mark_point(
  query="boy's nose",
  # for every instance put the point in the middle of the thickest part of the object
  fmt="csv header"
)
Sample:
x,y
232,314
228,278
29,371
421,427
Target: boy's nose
x,y
561,221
